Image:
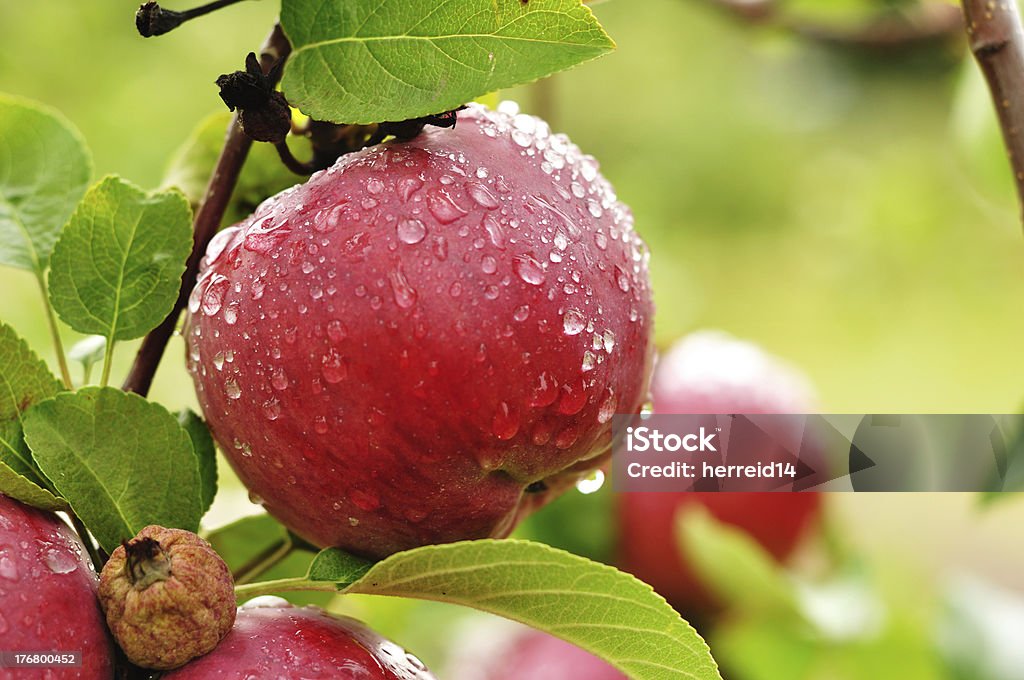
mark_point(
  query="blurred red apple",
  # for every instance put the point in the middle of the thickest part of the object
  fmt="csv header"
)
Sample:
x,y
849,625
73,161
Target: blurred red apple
x,y
710,372
427,340
48,595
272,639
522,653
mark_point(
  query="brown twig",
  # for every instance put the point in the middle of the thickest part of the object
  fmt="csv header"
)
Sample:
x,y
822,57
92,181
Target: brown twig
x,y
997,42
920,26
207,221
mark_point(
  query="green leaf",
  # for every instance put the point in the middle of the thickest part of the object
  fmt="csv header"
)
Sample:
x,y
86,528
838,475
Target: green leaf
x,y
362,62
594,606
252,539
338,566
242,540
121,462
24,380
741,572
44,170
116,269
206,455
263,175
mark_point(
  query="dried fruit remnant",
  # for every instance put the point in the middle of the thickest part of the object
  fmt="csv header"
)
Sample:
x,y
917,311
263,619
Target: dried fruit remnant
x,y
168,597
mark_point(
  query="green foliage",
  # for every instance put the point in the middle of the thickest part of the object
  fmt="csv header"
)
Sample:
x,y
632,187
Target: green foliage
x,y
245,542
206,455
582,602
44,170
244,539
121,462
359,62
736,567
24,381
117,266
850,625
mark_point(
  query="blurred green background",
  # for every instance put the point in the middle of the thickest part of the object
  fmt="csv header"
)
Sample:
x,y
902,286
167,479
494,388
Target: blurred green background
x,y
851,214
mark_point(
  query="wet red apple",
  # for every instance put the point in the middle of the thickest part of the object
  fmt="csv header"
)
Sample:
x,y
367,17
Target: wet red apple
x,y
48,596
427,340
272,639
711,372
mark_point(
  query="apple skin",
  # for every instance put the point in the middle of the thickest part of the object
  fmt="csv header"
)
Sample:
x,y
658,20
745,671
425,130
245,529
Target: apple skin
x,y
272,639
427,341
711,372
48,595
534,655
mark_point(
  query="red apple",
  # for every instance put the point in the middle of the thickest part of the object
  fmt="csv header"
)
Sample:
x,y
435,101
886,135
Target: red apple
x,y
529,654
427,340
711,372
272,639
48,595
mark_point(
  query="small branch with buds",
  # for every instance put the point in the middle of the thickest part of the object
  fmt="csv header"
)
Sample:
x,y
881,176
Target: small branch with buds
x,y
151,19
997,42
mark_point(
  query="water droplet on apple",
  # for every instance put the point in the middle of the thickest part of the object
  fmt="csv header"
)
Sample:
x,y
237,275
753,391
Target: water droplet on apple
x,y
493,228
405,294
60,561
573,322
528,269
213,298
573,398
272,409
544,392
567,436
505,423
407,187
443,207
320,425
333,367
232,389
609,341
8,569
608,406
541,433
589,361
411,230
482,195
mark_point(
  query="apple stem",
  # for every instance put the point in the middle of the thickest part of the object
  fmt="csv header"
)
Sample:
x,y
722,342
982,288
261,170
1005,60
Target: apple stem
x,y
208,217
264,561
291,162
920,26
997,42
